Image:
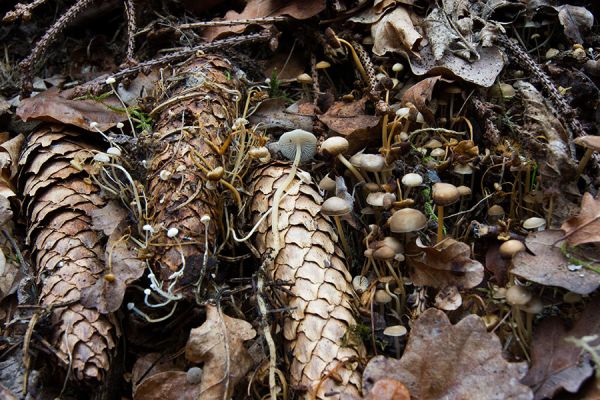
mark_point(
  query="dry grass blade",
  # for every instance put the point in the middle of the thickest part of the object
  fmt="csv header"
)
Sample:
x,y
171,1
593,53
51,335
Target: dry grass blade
x,y
194,120
320,295
68,253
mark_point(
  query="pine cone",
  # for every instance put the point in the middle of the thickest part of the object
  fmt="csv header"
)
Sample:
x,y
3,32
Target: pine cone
x,y
68,253
204,108
321,292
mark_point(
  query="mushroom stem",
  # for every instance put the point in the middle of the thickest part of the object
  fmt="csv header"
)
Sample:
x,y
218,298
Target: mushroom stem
x,y
440,231
277,199
584,160
351,168
338,224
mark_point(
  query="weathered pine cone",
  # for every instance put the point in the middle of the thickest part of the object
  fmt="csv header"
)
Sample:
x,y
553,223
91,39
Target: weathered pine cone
x,y
68,253
317,327
198,108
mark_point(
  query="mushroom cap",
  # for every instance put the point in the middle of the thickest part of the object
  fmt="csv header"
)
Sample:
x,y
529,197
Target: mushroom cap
x,y
464,191
384,253
511,247
444,194
518,295
433,144
589,141
495,211
322,65
335,206
463,169
334,145
412,180
288,141
372,162
407,220
380,199
304,78
533,306
534,223
395,331
360,283
371,187
393,244
437,153
327,184
382,297
258,152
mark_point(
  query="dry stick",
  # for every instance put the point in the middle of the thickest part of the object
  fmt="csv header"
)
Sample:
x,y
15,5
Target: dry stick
x,y
365,60
172,57
262,20
22,11
42,45
565,113
131,29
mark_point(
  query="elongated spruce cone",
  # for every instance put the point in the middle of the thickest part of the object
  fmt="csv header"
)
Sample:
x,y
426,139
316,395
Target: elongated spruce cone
x,y
310,257
68,253
200,106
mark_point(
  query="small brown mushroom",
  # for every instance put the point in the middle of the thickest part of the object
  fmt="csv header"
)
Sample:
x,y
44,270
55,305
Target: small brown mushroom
x,y
592,144
336,207
337,145
510,248
443,194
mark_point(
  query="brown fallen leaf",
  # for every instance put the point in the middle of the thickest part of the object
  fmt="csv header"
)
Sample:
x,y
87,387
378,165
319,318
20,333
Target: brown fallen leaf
x,y
219,344
497,265
9,157
265,8
122,262
169,385
584,228
556,363
445,264
395,32
53,106
445,361
549,266
151,364
575,20
351,121
420,93
108,218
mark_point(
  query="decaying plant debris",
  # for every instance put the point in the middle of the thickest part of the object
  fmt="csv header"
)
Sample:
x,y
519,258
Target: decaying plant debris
x,y
300,200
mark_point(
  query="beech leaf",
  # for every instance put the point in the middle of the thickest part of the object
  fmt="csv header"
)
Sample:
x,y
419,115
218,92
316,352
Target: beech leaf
x,y
445,361
219,344
549,266
559,364
584,228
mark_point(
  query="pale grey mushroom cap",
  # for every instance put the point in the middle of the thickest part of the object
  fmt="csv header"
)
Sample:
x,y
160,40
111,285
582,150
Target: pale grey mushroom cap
x,y
335,206
288,141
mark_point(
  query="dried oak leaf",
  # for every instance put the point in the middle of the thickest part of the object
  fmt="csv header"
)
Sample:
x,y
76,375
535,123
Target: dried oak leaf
x,y
420,93
169,385
584,228
151,364
556,363
549,266
219,344
54,106
265,8
395,33
575,21
351,121
445,264
122,261
445,361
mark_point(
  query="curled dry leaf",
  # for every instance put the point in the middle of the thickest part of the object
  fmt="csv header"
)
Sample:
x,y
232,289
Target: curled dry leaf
x,y
448,298
9,157
548,265
266,8
274,113
55,106
169,385
576,21
557,363
68,253
445,361
151,364
351,121
9,268
219,344
395,33
420,93
122,262
584,228
447,263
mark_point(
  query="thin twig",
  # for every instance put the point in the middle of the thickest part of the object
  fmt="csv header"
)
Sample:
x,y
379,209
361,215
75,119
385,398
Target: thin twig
x,y
131,29
262,20
42,45
22,11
